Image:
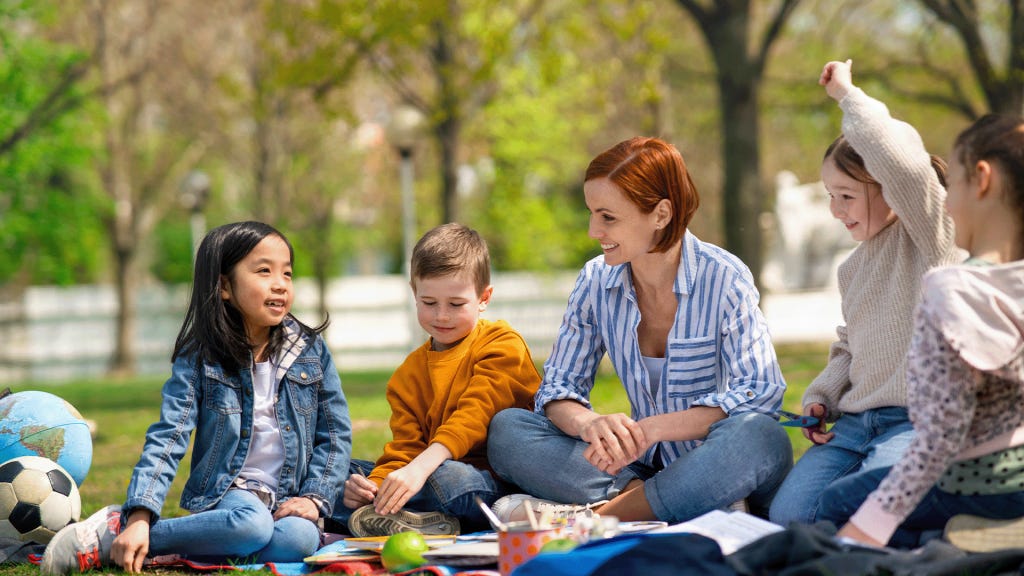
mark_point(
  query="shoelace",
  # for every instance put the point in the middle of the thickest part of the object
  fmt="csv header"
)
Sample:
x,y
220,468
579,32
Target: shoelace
x,y
567,511
88,559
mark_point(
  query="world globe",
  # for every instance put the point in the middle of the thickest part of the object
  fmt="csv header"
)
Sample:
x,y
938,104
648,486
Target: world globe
x,y
35,423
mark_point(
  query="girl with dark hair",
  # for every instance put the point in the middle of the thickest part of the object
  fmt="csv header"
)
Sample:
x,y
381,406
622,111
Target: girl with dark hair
x,y
965,377
888,192
273,436
679,320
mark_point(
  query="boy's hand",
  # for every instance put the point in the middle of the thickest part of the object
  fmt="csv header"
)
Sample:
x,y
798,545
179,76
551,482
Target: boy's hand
x,y
817,434
299,506
359,491
132,544
837,79
398,488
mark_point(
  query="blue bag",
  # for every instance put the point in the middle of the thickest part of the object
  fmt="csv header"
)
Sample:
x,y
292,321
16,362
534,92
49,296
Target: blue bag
x,y
647,554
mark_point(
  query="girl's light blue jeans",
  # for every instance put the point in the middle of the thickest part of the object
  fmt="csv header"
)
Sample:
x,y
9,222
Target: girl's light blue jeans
x,y
452,489
863,441
927,521
239,528
746,455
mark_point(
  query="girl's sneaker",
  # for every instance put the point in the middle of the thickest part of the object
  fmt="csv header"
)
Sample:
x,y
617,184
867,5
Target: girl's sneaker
x,y
977,534
367,522
83,545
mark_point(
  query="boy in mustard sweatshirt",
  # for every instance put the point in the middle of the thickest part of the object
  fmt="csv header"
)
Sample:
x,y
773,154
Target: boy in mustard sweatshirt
x,y
442,399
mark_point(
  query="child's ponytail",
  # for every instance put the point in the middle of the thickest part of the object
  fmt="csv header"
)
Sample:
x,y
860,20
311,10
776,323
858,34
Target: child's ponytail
x,y
999,140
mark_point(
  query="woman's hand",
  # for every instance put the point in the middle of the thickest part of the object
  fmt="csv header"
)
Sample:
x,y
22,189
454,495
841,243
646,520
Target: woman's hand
x,y
298,506
851,531
615,441
837,79
817,433
131,546
359,491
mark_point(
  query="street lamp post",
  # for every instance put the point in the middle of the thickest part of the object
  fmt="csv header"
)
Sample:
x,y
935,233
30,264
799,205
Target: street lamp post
x,y
403,130
195,189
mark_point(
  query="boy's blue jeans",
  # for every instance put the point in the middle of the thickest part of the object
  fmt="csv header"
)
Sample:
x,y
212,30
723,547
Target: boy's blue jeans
x,y
238,528
863,441
744,456
452,489
843,498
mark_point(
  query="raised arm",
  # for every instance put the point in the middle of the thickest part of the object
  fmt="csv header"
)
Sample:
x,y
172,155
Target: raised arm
x,y
895,155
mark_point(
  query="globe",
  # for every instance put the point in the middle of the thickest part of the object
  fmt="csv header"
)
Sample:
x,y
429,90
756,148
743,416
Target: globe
x,y
35,423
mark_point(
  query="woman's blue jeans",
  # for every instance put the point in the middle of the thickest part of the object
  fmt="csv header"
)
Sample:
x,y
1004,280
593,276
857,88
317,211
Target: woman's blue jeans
x,y
452,489
863,441
843,498
746,455
239,528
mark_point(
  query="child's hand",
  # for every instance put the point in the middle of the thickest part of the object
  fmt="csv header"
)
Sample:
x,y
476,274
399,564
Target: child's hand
x,y
299,506
837,79
359,491
398,488
132,544
817,433
851,531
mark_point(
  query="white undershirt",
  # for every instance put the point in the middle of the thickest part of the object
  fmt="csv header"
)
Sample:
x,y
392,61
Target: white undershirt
x,y
266,449
655,366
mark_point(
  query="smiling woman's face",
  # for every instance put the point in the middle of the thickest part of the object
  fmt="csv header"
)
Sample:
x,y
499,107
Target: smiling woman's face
x,y
624,232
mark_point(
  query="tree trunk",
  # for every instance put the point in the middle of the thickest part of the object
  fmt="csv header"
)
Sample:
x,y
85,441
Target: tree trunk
x,y
448,138
124,359
742,195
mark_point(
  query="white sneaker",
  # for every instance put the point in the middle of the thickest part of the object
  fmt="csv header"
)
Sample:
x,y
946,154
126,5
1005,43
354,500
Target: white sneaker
x,y
512,508
83,545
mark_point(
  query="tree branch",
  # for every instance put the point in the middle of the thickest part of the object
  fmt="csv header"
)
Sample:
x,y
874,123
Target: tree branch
x,y
56,103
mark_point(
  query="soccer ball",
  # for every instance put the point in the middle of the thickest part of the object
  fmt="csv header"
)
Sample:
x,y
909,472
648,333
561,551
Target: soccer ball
x,y
37,498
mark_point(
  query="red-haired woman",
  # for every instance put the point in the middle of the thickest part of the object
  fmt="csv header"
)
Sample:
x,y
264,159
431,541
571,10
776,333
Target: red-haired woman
x,y
679,321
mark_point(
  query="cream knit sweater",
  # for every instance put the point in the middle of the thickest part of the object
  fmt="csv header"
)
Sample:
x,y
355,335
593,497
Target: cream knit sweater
x,y
880,282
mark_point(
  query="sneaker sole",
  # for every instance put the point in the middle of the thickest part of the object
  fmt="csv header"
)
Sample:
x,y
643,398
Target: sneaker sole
x,y
976,534
366,522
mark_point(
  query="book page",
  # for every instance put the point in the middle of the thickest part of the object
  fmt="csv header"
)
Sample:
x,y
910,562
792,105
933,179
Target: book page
x,y
731,530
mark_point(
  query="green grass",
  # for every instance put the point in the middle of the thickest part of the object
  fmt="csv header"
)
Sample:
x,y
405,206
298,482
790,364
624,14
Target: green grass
x,y
123,410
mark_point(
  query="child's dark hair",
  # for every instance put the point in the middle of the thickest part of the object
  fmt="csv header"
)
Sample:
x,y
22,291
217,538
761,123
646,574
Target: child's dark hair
x,y
850,162
451,249
213,329
997,139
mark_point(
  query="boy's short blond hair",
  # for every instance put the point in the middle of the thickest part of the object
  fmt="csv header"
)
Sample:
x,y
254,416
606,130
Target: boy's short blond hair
x,y
450,250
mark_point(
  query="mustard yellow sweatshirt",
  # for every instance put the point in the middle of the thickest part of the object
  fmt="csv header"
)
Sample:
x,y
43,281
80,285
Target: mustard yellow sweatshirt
x,y
449,397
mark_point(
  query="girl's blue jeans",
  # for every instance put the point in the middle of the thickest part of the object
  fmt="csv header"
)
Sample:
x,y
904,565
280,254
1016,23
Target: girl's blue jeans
x,y
863,441
452,489
927,521
744,456
239,528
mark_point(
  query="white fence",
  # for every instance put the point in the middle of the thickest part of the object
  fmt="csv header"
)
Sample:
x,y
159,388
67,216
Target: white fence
x,y
54,334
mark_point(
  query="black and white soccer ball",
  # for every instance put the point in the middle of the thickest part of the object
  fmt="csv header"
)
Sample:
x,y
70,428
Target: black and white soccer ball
x,y
37,499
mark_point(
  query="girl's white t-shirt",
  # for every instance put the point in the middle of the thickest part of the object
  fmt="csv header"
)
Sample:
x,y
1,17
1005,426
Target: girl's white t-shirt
x,y
266,449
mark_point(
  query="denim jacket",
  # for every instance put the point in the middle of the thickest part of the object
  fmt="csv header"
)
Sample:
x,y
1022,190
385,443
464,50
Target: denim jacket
x,y
312,415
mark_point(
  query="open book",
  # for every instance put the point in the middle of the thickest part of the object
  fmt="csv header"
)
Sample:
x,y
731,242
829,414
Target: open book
x,y
731,530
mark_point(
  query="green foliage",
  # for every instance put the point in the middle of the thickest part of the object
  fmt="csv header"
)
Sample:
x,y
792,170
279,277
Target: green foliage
x,y
50,209
173,246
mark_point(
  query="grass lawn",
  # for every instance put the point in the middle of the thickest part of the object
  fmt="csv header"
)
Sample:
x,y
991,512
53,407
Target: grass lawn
x,y
123,410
